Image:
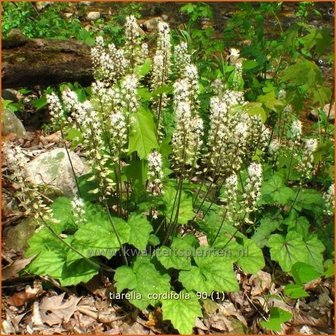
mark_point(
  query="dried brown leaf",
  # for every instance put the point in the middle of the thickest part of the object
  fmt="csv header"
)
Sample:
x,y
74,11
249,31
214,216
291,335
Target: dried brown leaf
x,y
260,283
54,310
12,271
20,298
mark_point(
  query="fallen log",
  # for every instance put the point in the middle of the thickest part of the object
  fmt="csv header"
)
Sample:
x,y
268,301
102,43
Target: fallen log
x,y
43,62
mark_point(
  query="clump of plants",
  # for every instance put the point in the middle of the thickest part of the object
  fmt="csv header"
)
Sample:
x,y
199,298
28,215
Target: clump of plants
x,y
172,161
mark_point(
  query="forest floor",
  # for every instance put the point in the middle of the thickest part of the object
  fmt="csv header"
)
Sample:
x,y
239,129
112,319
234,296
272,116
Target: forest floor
x,y
38,305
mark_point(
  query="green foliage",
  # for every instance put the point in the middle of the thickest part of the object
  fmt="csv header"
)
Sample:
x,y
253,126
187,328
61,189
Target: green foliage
x,y
47,24
132,278
183,312
275,192
181,241
143,134
277,317
294,248
211,273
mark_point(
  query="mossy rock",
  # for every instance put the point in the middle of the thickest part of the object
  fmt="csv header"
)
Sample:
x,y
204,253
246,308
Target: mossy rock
x,y
53,170
17,237
12,124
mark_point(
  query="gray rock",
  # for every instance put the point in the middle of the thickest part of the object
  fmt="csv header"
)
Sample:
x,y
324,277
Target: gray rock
x,y
11,94
326,109
17,237
68,15
53,169
42,4
12,124
314,114
151,25
92,16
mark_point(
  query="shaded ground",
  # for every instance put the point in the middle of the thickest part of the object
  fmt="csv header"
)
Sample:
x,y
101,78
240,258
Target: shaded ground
x,y
29,308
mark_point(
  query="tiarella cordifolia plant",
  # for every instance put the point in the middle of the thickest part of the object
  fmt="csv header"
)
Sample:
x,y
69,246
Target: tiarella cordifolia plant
x,y
181,58
306,163
78,210
329,197
31,200
187,139
174,155
161,72
252,190
136,51
155,174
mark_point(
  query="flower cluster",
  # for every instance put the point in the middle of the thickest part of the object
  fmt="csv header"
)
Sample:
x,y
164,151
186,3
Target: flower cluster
x,y
56,111
306,162
135,50
109,64
228,135
252,190
237,81
329,198
30,198
118,135
161,69
88,121
259,135
106,100
155,174
129,101
273,150
187,88
181,58
233,56
187,139
294,133
230,197
78,210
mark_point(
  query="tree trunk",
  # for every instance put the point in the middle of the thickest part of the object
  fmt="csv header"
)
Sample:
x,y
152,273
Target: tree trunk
x,y
26,63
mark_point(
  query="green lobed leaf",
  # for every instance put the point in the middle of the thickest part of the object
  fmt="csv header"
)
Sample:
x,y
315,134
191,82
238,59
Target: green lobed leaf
x,y
293,248
144,280
178,256
140,230
274,191
142,137
295,291
268,224
255,108
212,273
143,69
48,263
95,240
182,312
303,273
287,250
252,260
269,100
186,212
78,271
44,240
277,317
314,254
298,224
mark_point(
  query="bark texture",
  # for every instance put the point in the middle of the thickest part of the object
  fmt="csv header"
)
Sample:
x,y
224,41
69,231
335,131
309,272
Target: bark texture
x,y
31,62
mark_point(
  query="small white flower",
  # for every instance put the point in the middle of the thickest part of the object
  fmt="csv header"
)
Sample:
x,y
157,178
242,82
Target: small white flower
x,y
311,145
296,129
255,170
155,174
78,210
252,191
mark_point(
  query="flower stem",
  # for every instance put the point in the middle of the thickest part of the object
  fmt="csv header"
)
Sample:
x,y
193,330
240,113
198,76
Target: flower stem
x,y
116,232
